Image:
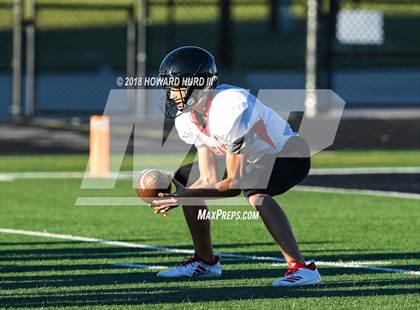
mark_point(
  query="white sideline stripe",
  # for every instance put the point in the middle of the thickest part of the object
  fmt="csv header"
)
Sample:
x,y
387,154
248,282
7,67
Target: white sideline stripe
x,y
91,201
238,201
364,170
142,266
339,190
7,176
135,201
10,176
43,175
358,265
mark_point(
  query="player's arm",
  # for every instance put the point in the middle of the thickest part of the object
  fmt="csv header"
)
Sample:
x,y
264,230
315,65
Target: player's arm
x,y
235,163
235,166
207,186
207,168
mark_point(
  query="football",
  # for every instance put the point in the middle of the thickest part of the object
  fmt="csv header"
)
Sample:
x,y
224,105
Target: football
x,y
151,182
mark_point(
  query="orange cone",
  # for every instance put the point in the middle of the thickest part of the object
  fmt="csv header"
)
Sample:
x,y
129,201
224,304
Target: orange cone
x,y
99,146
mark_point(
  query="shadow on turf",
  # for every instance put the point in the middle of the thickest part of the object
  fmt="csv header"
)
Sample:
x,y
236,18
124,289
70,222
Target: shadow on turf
x,y
178,294
123,276
134,255
107,252
96,252
171,290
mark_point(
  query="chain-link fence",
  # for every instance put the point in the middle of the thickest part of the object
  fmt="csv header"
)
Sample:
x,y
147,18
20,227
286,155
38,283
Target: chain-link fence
x,y
367,48
370,50
243,34
79,50
6,34
257,44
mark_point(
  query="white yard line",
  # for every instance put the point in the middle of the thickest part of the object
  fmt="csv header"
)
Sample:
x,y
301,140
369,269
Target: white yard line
x,y
124,201
241,201
338,190
141,266
135,201
356,265
10,176
6,176
364,170
43,175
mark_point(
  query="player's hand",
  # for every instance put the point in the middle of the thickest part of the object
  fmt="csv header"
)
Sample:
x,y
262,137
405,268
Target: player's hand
x,y
164,209
227,184
168,201
180,192
163,204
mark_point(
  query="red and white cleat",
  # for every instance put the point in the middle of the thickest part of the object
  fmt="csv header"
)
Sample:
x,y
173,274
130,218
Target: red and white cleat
x,y
299,274
194,268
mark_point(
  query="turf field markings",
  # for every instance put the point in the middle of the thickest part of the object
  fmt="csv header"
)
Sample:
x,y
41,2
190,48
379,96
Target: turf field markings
x,y
339,190
7,176
239,201
364,170
135,201
10,176
341,264
141,266
42,175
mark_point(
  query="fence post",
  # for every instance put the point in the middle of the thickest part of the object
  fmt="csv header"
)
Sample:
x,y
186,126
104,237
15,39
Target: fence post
x,y
131,51
225,45
273,14
312,51
141,56
330,41
30,61
171,25
16,109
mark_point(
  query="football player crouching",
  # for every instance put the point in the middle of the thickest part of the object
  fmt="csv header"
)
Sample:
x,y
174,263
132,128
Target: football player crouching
x,y
234,132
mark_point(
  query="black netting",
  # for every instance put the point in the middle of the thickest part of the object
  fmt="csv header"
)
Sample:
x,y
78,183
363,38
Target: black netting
x,y
374,58
367,49
6,33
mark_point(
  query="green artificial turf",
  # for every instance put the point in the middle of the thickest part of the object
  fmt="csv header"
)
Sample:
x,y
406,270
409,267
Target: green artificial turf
x,y
56,273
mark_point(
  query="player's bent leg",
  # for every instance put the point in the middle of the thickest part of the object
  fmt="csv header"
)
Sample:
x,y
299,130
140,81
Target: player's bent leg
x,y
298,273
277,224
203,264
200,231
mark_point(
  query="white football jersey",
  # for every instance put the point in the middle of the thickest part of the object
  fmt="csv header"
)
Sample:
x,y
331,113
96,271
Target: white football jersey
x,y
236,122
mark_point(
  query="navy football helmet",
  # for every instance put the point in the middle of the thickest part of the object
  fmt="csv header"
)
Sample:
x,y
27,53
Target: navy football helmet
x,y
184,64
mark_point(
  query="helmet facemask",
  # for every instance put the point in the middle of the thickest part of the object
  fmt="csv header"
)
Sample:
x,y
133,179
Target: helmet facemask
x,y
192,97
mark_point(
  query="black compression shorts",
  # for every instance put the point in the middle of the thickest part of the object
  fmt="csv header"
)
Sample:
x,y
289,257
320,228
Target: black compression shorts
x,y
289,168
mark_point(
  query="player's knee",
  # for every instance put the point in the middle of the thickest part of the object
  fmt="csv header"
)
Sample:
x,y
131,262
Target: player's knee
x,y
255,200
